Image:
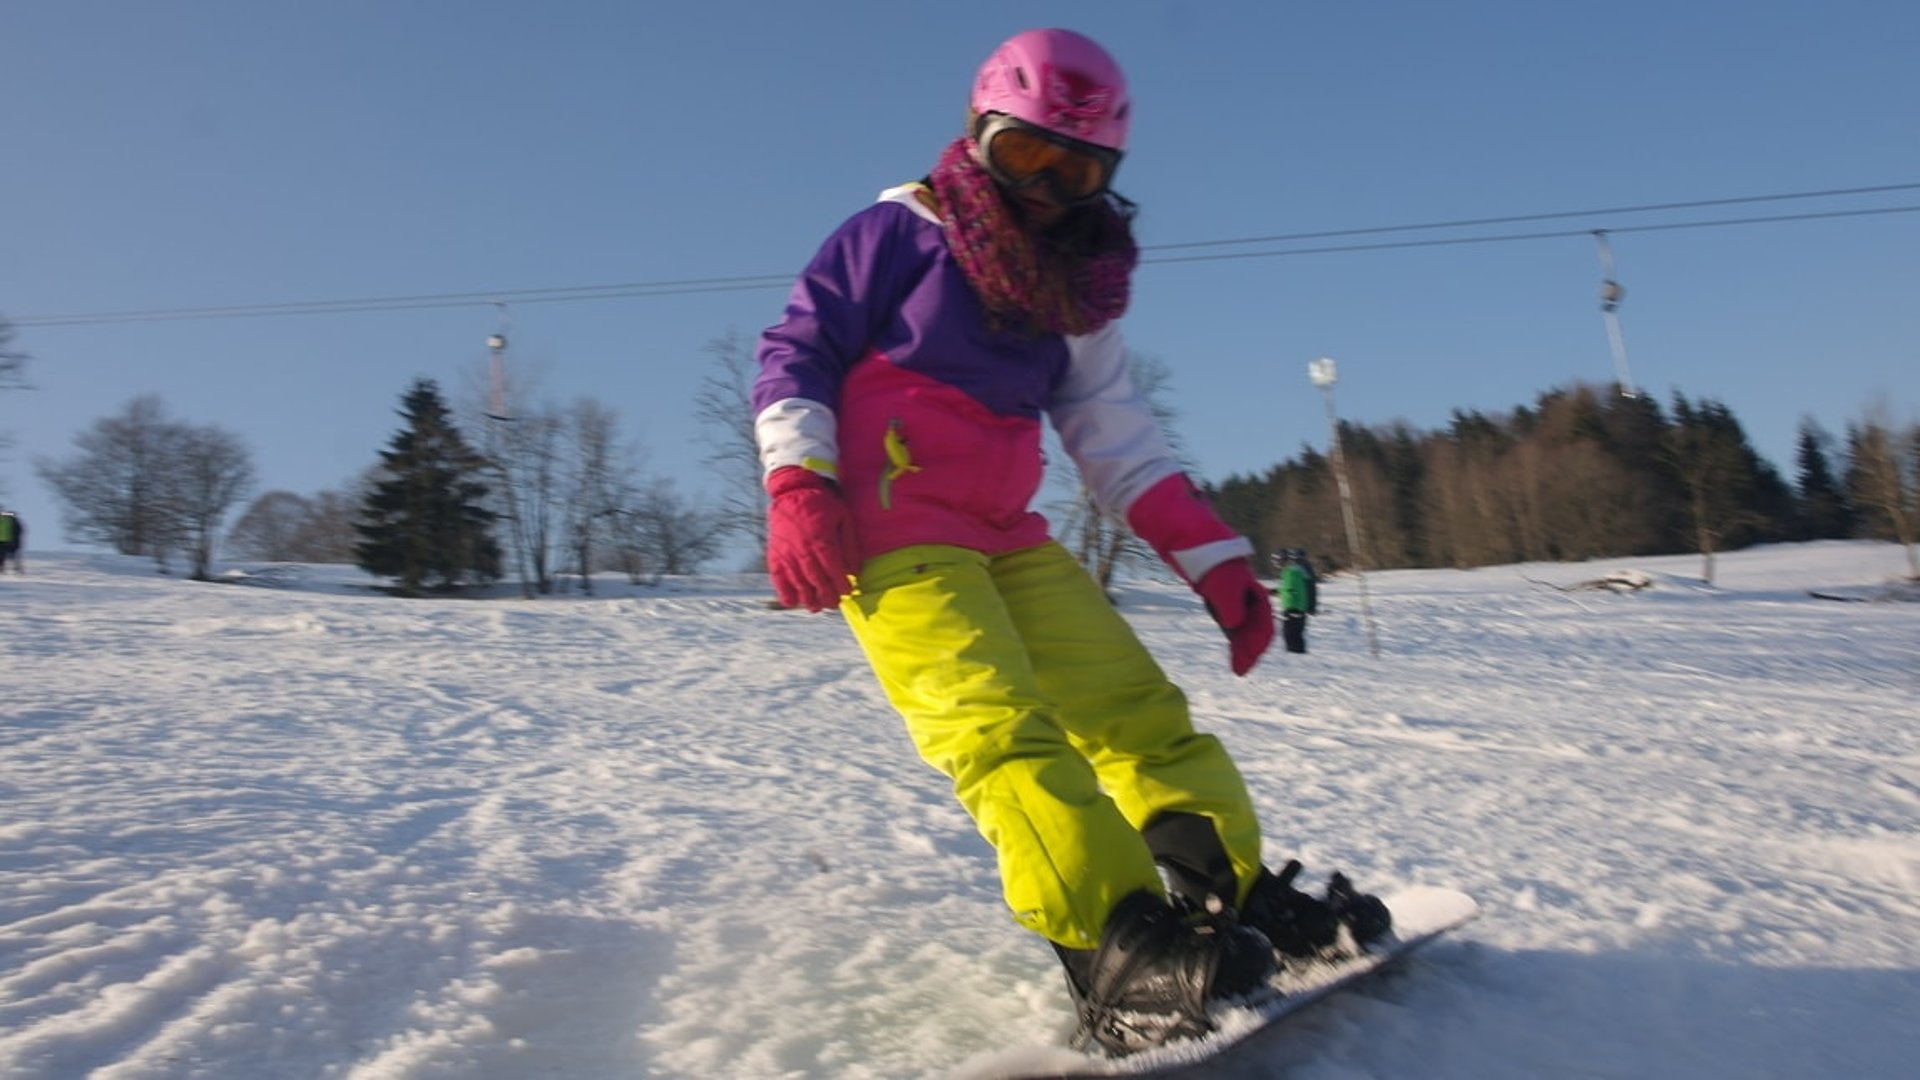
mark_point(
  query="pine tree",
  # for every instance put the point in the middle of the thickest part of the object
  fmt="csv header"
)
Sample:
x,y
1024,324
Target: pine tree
x,y
425,518
1823,510
1733,498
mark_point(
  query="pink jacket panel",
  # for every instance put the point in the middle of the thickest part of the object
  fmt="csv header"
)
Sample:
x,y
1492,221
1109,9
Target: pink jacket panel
x,y
958,473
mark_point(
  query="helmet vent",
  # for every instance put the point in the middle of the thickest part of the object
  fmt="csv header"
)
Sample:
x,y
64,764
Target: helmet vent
x,y
1021,74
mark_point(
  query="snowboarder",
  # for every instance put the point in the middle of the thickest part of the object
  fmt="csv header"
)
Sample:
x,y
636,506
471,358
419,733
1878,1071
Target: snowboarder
x,y
1297,601
12,535
898,409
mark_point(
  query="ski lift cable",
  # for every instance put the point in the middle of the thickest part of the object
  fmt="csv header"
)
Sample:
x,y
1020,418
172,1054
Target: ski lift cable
x,y
1514,219
550,294
1555,234
642,290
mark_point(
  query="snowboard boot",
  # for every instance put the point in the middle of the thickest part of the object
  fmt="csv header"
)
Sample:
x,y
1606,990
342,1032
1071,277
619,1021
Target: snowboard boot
x,y
1192,860
1149,981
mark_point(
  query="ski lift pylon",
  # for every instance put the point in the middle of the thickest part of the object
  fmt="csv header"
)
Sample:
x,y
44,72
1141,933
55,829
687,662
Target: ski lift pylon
x,y
1611,293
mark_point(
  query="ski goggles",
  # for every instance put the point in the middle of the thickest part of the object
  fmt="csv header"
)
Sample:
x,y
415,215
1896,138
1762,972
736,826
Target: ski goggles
x,y
1019,154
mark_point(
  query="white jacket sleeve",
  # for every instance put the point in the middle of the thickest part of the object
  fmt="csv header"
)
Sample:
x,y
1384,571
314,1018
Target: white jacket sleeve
x,y
1106,425
795,431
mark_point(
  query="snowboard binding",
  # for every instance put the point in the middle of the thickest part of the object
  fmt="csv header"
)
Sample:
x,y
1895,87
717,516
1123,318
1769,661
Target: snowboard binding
x,y
1304,927
1154,972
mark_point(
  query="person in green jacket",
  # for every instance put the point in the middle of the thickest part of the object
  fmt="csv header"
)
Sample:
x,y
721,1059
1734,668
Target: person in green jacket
x,y
1296,598
12,533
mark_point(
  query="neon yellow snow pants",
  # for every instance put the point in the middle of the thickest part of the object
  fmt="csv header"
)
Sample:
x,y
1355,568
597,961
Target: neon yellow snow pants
x,y
1062,736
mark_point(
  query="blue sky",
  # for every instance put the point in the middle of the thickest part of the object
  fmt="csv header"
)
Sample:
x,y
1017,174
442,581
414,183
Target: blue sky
x,y
208,154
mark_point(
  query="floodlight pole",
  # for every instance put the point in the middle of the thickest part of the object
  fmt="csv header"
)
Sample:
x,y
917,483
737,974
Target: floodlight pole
x,y
1324,374
497,449
497,368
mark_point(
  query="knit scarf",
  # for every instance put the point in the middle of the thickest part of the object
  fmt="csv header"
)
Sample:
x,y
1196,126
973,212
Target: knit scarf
x,y
1073,279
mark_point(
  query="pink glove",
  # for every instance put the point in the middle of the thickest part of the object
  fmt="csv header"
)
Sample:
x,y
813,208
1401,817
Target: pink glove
x,y
1175,519
1237,602
811,550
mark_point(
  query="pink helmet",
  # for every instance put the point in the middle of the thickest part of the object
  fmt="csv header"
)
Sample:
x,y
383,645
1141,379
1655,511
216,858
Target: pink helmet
x,y
1060,81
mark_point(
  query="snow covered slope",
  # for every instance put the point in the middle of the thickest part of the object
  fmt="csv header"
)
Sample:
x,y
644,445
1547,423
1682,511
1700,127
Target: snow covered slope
x,y
309,831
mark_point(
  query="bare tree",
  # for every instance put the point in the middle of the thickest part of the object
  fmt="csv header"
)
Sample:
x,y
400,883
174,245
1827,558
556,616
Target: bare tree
x,y
116,485
1883,475
520,439
663,534
328,536
282,526
210,472
598,478
13,361
524,456
13,366
557,477
269,530
724,406
148,485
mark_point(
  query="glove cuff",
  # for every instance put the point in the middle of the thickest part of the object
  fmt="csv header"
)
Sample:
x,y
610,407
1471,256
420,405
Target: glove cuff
x,y
788,479
1177,522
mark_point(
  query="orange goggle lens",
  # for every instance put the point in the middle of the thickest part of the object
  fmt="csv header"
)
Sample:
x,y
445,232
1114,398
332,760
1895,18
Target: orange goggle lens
x,y
1021,155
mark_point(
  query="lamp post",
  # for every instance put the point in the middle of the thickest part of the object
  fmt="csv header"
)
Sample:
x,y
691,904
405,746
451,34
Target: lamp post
x,y
497,369
498,449
1324,374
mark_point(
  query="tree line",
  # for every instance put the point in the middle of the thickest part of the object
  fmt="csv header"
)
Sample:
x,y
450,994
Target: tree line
x,y
1581,473
547,492
543,492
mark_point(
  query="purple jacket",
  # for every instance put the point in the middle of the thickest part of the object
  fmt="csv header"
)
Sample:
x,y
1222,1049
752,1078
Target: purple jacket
x,y
883,373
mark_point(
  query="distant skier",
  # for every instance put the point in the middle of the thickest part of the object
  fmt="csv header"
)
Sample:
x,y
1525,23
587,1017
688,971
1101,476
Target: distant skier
x,y
13,534
898,413
1298,597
